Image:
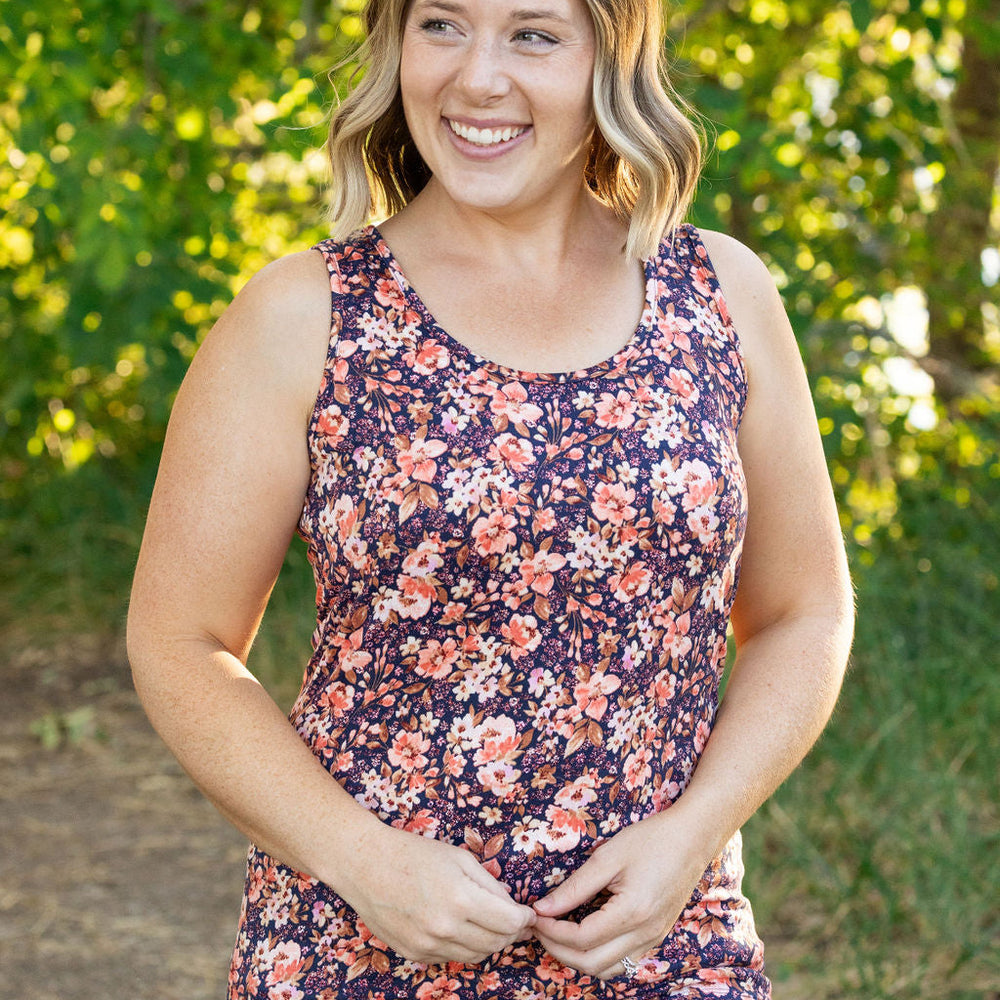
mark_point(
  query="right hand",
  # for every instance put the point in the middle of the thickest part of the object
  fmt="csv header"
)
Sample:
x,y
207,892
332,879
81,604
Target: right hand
x,y
433,902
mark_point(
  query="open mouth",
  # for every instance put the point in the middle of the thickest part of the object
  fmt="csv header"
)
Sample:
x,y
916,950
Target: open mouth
x,y
486,136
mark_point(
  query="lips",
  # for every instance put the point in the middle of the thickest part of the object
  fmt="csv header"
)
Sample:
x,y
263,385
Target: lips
x,y
486,136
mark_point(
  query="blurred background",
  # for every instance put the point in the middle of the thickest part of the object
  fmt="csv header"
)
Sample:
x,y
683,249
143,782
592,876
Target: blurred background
x,y
155,154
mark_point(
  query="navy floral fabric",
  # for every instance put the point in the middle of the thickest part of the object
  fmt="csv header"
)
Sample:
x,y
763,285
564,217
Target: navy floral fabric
x,y
523,587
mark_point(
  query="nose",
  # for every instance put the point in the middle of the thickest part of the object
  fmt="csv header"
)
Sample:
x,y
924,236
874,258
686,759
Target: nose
x,y
482,76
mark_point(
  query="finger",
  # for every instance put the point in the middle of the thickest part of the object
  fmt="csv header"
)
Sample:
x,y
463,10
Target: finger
x,y
585,883
603,962
521,916
500,915
483,878
593,931
480,942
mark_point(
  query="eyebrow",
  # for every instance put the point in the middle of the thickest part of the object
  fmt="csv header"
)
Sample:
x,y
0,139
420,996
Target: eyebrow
x,y
539,15
525,14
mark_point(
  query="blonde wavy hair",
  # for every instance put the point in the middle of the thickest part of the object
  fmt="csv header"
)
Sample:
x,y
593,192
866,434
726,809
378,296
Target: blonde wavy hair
x,y
644,160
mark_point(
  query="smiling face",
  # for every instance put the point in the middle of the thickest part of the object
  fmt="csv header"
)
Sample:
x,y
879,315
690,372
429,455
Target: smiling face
x,y
497,97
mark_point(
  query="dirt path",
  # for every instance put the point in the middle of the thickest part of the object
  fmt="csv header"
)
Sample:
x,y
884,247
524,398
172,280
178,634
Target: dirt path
x,y
117,879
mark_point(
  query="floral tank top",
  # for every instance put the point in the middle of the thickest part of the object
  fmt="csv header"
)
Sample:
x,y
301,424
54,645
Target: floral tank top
x,y
523,584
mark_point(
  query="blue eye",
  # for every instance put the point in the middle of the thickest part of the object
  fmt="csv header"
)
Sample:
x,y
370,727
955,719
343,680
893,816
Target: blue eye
x,y
536,39
435,26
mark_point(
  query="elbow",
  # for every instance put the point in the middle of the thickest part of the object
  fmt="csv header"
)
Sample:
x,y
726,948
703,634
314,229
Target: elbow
x,y
139,647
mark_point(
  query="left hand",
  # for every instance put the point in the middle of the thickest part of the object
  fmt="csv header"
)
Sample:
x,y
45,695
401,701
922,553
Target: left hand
x,y
650,869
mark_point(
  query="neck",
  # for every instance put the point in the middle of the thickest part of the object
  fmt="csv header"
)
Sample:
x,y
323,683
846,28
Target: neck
x,y
546,232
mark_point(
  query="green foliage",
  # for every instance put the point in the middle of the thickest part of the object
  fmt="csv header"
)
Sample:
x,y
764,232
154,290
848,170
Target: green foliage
x,y
153,155
54,729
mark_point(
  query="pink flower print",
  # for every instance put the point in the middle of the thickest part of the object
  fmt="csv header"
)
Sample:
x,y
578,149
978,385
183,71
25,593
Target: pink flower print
x,y
389,294
565,828
716,982
332,423
516,452
544,520
693,477
350,655
615,411
578,795
552,969
464,732
489,982
664,511
355,551
430,357
407,751
511,402
422,822
701,735
346,516
700,278
612,503
682,385
637,769
631,583
339,698
286,963
536,572
675,330
665,794
285,991
525,838
499,777
497,738
699,490
454,763
675,638
417,462
425,559
665,687
415,599
436,658
591,694
523,635
492,534
703,522
442,988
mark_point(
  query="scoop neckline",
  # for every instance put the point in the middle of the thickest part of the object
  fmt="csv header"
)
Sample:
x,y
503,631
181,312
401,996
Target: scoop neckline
x,y
615,364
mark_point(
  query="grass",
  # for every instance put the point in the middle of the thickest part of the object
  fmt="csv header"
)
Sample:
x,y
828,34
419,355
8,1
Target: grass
x,y
873,870
882,848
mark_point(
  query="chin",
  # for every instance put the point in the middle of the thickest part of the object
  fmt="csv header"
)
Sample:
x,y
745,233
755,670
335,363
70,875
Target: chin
x,y
488,195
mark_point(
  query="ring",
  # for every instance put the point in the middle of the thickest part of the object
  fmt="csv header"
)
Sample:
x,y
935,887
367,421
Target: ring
x,y
629,966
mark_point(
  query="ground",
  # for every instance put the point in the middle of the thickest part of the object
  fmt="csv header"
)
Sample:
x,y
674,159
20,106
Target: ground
x,y
117,878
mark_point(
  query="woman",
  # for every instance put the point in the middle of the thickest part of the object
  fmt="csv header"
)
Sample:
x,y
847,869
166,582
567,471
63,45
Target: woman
x,y
513,454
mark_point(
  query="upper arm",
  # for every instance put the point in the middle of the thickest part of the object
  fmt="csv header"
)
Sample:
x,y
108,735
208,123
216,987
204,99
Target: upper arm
x,y
793,558
235,463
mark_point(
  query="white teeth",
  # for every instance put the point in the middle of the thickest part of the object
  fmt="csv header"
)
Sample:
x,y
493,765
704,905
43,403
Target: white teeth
x,y
485,136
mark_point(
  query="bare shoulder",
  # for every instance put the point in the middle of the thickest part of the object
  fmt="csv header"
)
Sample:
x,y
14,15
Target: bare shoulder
x,y
746,283
752,299
277,329
284,308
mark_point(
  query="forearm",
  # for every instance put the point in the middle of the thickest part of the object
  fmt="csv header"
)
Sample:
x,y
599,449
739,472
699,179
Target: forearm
x,y
782,690
241,750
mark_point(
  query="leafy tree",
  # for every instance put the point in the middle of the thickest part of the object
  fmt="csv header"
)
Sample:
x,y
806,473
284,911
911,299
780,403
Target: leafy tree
x,y
154,154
